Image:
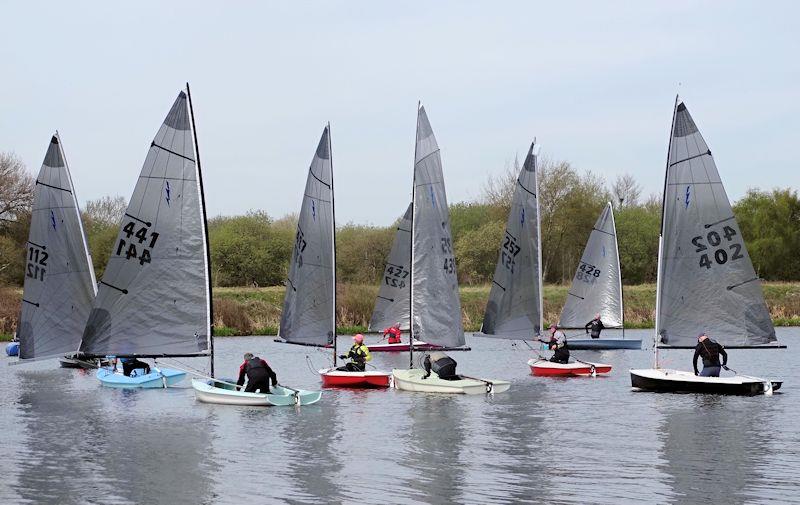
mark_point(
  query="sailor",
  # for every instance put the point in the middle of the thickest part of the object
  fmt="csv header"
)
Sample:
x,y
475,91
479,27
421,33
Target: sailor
x,y
131,364
596,325
710,351
258,374
358,356
558,344
394,333
441,364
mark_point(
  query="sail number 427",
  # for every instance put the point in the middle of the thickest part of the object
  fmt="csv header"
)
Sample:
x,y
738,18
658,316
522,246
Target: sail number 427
x,y
721,253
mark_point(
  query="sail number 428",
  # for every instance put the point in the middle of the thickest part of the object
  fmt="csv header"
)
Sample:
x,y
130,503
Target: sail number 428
x,y
143,237
721,254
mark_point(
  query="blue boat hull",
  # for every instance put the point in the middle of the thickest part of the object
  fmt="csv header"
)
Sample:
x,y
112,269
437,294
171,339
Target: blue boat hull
x,y
587,344
12,349
165,378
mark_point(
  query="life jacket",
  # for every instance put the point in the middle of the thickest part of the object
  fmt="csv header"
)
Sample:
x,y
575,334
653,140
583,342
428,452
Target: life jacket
x,y
394,335
442,365
359,353
596,328
255,367
709,351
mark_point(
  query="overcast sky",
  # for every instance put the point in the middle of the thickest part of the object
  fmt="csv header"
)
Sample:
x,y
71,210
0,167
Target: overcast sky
x,y
595,82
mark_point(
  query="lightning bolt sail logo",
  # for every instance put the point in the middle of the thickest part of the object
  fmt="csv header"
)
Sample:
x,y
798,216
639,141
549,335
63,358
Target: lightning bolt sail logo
x,y
433,197
688,196
53,219
167,193
522,216
313,210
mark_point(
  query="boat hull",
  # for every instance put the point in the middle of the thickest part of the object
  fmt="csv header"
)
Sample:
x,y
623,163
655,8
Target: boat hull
x,y
677,381
225,394
411,380
605,344
71,361
332,378
12,349
401,347
165,378
544,368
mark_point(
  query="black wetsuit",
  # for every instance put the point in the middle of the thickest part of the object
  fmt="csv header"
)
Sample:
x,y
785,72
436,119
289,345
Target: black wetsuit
x,y
710,352
443,365
258,374
131,364
596,326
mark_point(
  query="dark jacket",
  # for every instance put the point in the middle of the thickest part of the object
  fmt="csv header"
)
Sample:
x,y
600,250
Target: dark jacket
x,y
256,369
710,351
596,326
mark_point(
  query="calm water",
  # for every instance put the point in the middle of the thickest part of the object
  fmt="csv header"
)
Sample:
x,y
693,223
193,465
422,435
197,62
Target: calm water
x,y
67,440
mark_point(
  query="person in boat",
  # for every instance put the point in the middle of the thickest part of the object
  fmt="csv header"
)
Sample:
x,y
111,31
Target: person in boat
x,y
558,344
710,352
595,325
258,374
441,364
394,334
358,356
131,364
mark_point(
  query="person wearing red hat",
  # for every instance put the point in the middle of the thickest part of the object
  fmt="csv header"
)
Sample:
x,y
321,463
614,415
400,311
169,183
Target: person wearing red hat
x,y
358,356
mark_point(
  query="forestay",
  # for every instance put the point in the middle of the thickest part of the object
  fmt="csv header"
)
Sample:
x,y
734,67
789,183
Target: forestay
x,y
59,278
436,307
392,304
514,309
308,315
597,285
706,279
154,298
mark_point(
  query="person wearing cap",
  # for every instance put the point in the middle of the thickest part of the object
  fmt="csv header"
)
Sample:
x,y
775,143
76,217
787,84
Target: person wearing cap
x,y
358,356
258,374
710,351
558,344
596,325
394,333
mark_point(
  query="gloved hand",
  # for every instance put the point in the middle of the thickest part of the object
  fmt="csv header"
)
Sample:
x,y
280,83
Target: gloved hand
x,y
696,372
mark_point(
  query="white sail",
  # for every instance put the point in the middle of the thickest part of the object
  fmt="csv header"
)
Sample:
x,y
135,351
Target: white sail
x,y
514,309
309,303
59,277
392,304
436,306
706,279
154,298
597,284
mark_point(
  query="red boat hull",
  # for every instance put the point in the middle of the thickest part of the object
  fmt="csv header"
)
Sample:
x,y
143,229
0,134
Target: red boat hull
x,y
337,379
401,347
546,369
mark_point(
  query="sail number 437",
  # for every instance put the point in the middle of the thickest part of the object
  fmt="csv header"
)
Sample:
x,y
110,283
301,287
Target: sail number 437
x,y
722,253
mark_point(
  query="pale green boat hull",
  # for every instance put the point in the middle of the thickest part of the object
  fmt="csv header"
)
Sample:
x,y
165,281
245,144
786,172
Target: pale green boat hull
x,y
411,380
225,394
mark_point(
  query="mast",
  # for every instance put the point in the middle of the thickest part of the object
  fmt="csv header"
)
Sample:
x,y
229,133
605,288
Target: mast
x,y
411,251
333,244
661,236
534,149
210,321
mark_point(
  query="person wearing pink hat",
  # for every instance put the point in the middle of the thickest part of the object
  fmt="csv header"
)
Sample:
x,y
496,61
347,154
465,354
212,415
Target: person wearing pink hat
x,y
358,356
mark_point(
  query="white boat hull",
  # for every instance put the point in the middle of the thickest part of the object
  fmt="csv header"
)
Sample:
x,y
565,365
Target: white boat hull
x,y
679,381
411,380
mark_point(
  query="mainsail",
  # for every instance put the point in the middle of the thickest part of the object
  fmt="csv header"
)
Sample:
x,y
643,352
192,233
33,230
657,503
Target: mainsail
x,y
514,309
308,315
435,302
154,297
706,279
59,278
392,304
597,285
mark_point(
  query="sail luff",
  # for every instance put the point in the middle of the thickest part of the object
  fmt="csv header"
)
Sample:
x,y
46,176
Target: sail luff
x,y
619,270
411,246
333,245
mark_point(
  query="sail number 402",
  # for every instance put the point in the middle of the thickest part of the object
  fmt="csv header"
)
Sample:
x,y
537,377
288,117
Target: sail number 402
x,y
720,253
142,237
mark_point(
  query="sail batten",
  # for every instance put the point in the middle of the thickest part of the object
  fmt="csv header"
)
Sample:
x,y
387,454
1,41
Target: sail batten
x,y
597,283
435,303
706,278
59,278
308,315
153,299
514,309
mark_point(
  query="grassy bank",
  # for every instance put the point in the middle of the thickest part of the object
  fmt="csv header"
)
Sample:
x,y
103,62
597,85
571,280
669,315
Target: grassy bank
x,y
257,311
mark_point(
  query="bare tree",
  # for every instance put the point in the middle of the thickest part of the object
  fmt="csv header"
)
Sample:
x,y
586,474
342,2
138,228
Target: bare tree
x,y
107,210
626,191
498,190
16,188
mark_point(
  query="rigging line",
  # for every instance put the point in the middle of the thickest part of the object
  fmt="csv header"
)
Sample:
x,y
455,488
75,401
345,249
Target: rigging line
x,y
576,296
37,245
53,187
148,223
691,158
123,291
719,222
526,189
153,144
320,180
729,288
498,284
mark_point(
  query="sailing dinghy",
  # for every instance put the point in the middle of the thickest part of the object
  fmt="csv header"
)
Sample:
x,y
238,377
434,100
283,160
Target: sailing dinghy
x,y
309,305
514,310
545,368
435,307
59,277
154,300
228,393
597,288
706,281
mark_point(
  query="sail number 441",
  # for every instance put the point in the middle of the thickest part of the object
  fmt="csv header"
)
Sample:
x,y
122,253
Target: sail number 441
x,y
142,237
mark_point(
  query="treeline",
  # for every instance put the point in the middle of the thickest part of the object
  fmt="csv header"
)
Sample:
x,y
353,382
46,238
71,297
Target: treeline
x,y
254,249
